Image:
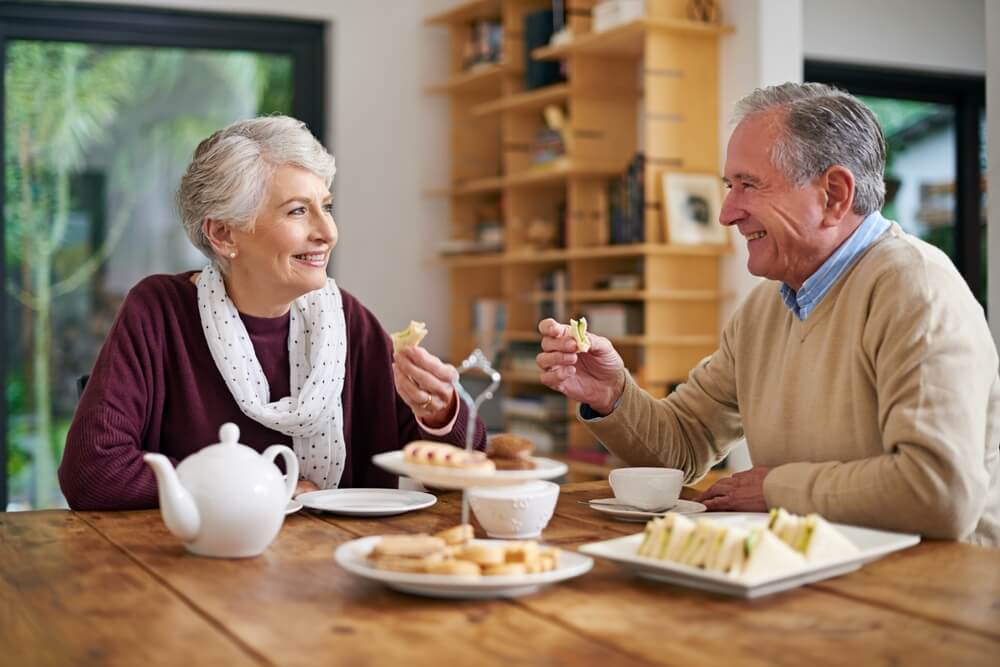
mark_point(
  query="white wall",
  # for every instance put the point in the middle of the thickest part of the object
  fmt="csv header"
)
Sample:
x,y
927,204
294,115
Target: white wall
x,y
390,141
765,49
943,35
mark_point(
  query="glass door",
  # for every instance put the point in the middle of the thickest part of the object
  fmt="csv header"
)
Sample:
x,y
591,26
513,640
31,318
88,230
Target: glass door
x,y
935,128
96,136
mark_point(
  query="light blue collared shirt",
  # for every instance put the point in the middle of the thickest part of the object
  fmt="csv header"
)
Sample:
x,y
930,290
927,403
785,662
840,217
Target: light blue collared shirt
x,y
813,290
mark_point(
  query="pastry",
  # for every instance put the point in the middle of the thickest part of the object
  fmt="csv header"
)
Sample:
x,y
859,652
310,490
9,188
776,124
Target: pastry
x,y
409,337
509,446
456,535
482,554
451,552
405,563
510,452
425,452
521,552
514,464
458,568
504,569
411,546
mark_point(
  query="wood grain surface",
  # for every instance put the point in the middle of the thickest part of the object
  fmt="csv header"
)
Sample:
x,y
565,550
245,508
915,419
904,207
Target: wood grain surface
x,y
116,588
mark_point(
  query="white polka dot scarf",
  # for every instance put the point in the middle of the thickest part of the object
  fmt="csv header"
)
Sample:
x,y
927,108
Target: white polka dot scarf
x,y
313,415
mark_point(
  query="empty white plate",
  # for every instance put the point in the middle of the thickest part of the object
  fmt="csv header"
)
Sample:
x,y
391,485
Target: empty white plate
x,y
293,506
367,502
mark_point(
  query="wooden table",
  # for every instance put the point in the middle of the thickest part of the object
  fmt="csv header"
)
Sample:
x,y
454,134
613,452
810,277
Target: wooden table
x,y
80,588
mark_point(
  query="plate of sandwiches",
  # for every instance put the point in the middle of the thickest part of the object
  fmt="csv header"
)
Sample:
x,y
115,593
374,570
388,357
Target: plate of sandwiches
x,y
452,564
746,555
507,461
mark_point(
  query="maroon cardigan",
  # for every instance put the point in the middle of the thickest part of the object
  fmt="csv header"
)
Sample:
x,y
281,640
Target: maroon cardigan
x,y
155,388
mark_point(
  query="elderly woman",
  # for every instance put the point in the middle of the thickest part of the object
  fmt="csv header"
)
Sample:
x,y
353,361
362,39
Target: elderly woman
x,y
260,337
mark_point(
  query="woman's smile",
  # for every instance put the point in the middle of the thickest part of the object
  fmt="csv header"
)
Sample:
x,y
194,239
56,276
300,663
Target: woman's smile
x,y
316,260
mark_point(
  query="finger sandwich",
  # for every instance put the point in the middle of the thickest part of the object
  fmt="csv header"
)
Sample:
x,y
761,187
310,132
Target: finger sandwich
x,y
716,547
811,535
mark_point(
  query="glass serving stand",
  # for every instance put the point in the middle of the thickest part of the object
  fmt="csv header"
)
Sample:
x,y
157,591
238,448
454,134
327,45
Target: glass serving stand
x,y
475,361
457,478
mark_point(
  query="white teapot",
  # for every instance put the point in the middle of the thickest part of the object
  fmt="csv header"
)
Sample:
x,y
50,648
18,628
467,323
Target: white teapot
x,y
226,500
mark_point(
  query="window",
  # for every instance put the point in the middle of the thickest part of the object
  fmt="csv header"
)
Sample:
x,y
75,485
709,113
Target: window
x,y
935,129
102,109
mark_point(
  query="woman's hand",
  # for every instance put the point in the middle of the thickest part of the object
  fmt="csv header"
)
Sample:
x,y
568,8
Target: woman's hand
x,y
424,383
595,377
304,486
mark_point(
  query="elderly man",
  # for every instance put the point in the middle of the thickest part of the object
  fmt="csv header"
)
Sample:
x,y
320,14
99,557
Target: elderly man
x,y
864,378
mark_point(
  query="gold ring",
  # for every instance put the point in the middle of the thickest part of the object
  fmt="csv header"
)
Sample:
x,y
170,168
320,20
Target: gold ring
x,y
426,404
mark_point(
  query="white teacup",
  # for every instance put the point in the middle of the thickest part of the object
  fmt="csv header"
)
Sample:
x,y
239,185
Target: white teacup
x,y
647,488
518,511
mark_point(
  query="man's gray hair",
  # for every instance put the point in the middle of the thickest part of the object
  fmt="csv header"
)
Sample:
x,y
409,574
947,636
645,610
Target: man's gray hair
x,y
822,126
231,171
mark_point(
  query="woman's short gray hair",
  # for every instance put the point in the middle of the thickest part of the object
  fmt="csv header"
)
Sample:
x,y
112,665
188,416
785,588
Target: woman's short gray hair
x,y
231,171
822,127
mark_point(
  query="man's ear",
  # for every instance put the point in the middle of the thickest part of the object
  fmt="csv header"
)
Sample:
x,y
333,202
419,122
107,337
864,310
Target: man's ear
x,y
220,235
838,185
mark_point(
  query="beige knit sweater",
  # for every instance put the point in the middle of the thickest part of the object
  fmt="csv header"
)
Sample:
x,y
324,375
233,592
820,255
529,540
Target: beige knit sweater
x,y
881,409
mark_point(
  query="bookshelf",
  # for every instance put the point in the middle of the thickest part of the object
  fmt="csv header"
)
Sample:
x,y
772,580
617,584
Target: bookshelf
x,y
649,86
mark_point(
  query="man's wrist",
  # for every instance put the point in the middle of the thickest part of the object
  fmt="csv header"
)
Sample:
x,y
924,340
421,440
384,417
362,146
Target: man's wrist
x,y
614,398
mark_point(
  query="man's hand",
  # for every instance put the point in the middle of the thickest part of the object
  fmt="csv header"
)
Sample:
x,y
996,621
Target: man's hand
x,y
596,377
743,492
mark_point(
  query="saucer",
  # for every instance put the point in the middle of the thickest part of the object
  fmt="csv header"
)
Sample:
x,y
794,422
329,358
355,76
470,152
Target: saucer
x,y
605,507
367,502
293,506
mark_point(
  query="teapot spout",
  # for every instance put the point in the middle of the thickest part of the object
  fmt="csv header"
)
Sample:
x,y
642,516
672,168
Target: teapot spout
x,y
177,506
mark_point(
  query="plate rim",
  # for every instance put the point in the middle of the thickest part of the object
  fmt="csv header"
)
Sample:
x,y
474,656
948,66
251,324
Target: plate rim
x,y
425,500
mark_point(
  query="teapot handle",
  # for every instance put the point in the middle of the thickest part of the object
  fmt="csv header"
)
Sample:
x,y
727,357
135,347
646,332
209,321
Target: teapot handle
x,y
291,466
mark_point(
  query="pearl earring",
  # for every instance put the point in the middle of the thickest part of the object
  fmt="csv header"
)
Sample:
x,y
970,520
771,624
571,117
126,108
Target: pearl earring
x,y
232,255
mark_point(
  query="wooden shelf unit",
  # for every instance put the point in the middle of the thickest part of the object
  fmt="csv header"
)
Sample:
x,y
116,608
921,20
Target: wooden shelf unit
x,y
650,85
465,11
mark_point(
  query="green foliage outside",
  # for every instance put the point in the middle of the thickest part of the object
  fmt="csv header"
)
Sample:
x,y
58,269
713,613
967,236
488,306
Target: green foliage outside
x,y
897,115
65,104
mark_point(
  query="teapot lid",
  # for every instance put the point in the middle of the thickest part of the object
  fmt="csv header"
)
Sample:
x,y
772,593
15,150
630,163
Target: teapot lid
x,y
229,445
229,434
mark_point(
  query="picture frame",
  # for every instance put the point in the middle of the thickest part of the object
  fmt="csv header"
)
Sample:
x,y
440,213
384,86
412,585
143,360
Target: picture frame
x,y
691,206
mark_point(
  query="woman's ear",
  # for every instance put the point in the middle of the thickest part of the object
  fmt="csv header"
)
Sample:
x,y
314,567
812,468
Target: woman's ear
x,y
838,185
220,235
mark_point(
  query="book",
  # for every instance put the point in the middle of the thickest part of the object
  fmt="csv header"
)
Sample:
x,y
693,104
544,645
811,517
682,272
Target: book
x,y
538,28
613,319
553,285
627,204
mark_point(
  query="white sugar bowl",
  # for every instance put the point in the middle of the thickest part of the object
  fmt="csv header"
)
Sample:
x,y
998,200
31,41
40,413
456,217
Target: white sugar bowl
x,y
514,512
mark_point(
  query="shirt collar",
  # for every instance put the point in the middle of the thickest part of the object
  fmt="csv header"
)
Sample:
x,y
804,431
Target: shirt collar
x,y
805,300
